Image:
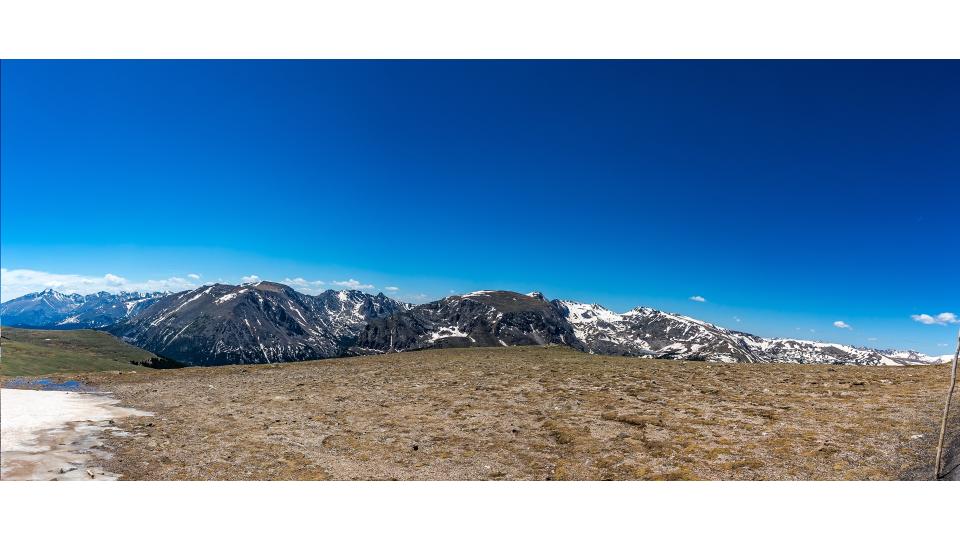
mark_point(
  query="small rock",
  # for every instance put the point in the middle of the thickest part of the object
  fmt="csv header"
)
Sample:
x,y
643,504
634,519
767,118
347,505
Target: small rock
x,y
416,447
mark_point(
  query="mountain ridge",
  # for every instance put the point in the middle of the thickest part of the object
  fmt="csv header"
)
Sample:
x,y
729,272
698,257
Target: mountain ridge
x,y
271,322
51,309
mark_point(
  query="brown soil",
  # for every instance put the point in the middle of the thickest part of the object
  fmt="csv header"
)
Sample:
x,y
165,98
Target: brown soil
x,y
527,413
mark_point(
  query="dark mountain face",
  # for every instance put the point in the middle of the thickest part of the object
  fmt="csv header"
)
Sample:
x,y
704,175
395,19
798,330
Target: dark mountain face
x,y
52,309
479,319
252,323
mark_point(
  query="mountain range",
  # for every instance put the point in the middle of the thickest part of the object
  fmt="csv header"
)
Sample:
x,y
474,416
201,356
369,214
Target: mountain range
x,y
270,322
56,310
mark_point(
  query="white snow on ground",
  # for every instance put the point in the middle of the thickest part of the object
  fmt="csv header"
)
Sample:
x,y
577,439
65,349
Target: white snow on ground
x,y
229,296
477,293
446,332
25,414
69,320
581,313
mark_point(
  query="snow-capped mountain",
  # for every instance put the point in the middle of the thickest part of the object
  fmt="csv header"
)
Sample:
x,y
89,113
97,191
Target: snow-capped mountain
x,y
647,331
53,309
269,322
252,323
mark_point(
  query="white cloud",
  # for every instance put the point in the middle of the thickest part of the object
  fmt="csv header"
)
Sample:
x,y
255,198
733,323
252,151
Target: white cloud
x,y
841,324
698,298
391,288
193,276
352,284
942,319
414,298
252,278
306,286
20,281
738,319
871,339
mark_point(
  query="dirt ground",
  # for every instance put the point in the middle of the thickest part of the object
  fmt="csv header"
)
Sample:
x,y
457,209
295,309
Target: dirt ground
x,y
528,413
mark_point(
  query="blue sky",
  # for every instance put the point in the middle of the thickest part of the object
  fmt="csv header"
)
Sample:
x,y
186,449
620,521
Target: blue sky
x,y
788,195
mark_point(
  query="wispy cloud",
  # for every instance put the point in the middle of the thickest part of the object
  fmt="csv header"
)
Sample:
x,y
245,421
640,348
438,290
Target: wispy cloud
x,y
250,279
193,276
841,324
942,319
738,319
871,339
353,284
306,286
20,281
418,298
698,298
391,288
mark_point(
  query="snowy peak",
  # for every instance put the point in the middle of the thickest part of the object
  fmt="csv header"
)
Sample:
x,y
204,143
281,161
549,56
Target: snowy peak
x,y
54,309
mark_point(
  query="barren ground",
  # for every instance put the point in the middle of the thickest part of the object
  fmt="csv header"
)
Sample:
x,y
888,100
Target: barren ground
x,y
528,413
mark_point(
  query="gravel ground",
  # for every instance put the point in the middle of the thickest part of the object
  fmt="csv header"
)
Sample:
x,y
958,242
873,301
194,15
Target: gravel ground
x,y
528,413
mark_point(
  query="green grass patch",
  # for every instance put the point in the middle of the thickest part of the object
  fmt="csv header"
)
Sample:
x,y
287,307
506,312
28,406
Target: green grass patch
x,y
26,352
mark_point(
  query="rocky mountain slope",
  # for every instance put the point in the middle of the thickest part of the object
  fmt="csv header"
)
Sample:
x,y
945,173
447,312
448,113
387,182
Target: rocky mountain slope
x,y
478,319
252,323
55,310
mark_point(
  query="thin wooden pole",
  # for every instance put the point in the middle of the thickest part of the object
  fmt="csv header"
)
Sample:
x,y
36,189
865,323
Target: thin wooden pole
x,y
946,409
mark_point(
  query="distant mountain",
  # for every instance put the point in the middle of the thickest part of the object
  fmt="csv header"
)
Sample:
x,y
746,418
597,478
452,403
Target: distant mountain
x,y
647,331
55,310
478,319
270,322
486,318
252,323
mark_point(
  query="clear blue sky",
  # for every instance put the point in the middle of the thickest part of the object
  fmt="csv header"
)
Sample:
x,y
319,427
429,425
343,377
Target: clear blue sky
x,y
789,195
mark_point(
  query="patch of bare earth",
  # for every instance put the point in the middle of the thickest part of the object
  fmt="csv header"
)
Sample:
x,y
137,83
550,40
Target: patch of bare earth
x,y
527,413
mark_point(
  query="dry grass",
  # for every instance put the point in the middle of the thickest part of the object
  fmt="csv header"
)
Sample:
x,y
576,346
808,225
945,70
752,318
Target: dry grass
x,y
528,413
